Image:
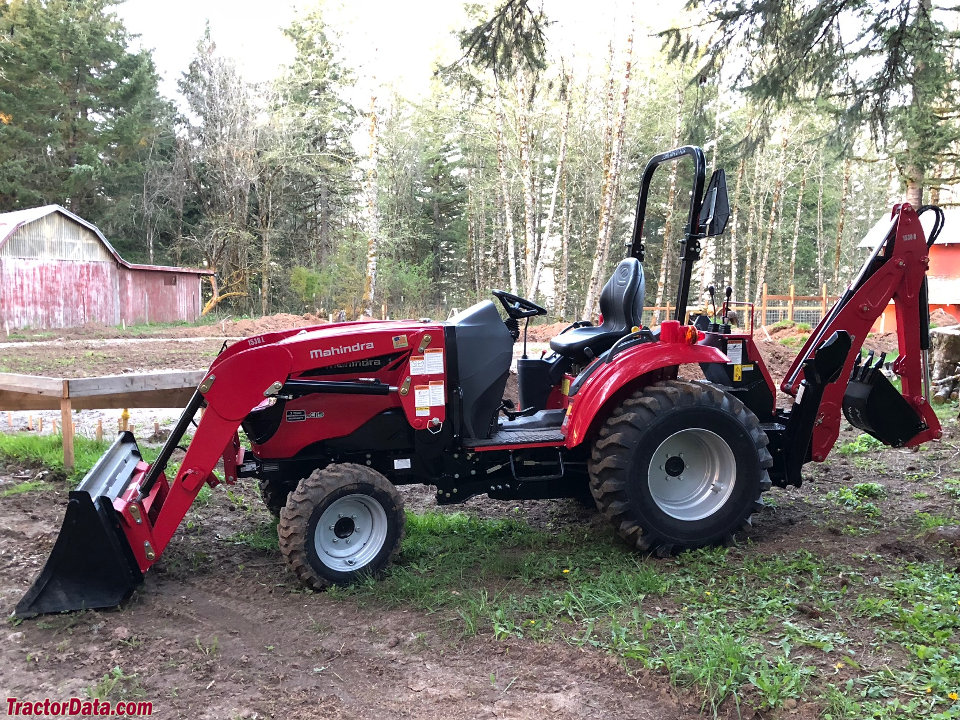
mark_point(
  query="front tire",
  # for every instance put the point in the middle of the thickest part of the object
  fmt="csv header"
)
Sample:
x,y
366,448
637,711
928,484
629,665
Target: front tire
x,y
679,465
342,523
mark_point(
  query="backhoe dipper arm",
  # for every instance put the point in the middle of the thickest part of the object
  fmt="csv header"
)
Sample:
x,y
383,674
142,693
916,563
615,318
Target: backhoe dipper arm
x,y
896,271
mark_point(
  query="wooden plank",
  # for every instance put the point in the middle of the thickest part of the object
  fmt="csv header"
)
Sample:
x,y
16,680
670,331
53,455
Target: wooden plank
x,y
32,385
134,383
10,400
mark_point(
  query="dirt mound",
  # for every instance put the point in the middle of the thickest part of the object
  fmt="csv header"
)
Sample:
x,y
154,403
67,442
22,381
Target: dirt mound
x,y
941,318
271,323
545,333
784,331
882,343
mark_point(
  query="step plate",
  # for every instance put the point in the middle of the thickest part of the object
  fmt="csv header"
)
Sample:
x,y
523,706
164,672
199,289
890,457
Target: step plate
x,y
518,437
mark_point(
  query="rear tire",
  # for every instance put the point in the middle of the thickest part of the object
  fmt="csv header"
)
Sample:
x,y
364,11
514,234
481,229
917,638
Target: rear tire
x,y
679,465
274,496
343,523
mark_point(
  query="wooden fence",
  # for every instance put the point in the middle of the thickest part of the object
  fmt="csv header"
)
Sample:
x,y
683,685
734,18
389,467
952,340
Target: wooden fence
x,y
141,390
770,310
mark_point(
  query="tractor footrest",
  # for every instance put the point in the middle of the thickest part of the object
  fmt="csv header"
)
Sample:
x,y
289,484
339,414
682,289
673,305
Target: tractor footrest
x,y
518,437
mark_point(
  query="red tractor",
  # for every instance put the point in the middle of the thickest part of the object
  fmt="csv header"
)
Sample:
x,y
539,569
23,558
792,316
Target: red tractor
x,y
338,415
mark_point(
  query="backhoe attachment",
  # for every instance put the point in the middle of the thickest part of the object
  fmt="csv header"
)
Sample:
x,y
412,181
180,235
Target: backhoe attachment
x,y
896,270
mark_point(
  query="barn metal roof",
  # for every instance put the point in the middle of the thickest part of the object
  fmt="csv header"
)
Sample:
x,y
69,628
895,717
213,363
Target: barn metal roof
x,y
11,221
949,236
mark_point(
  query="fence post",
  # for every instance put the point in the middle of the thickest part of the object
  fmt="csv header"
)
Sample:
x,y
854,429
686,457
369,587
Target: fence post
x,y
823,302
790,304
66,426
763,306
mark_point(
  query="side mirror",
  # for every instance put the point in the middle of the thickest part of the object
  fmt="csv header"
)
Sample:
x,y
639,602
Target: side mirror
x,y
715,210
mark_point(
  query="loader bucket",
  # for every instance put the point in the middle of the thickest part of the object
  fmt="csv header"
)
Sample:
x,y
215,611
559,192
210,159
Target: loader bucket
x,y
872,404
91,565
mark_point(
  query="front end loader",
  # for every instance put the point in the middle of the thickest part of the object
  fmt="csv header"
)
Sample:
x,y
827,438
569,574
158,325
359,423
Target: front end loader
x,y
337,416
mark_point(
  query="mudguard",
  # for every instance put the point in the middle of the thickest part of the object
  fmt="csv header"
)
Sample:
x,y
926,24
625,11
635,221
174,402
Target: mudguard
x,y
630,369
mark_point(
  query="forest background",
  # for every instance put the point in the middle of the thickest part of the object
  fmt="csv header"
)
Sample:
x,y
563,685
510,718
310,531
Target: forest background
x,y
517,168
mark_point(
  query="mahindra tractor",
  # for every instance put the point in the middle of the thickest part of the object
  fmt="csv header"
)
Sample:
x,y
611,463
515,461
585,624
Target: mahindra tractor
x,y
337,416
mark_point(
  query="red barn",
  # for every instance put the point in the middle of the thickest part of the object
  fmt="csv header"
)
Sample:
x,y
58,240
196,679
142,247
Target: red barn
x,y
58,270
943,275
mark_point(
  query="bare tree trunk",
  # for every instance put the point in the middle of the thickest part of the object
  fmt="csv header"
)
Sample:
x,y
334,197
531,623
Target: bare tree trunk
x,y
710,257
526,176
266,226
611,185
914,177
548,246
840,221
671,210
505,193
820,279
735,220
796,223
772,222
564,285
373,217
593,283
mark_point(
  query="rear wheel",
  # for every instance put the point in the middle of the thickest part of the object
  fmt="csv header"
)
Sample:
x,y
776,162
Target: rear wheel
x,y
274,495
341,524
679,465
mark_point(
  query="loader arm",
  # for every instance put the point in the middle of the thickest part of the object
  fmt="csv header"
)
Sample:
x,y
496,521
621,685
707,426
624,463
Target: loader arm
x,y
125,512
896,271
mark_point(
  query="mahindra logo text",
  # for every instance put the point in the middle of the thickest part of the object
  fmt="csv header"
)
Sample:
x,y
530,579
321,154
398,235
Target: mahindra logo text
x,y
329,352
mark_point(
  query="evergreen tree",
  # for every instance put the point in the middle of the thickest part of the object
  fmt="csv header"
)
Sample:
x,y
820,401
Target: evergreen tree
x,y
80,115
886,65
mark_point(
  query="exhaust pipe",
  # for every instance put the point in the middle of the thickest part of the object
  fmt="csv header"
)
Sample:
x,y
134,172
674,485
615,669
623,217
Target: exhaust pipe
x,y
91,564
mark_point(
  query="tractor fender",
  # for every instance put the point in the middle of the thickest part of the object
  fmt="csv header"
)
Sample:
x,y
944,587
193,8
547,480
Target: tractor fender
x,y
628,371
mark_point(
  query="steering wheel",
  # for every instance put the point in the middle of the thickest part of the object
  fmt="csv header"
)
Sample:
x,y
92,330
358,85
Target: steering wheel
x,y
518,307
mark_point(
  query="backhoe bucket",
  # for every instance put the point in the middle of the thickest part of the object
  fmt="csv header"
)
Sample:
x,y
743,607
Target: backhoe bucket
x,y
91,565
874,405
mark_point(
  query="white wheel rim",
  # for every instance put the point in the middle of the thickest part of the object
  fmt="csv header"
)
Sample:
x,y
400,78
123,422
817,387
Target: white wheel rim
x,y
351,532
692,474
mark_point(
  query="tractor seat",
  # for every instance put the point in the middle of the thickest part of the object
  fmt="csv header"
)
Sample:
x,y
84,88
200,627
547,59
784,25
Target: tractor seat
x,y
621,307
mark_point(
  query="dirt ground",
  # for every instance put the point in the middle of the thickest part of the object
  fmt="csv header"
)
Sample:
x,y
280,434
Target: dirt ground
x,y
222,630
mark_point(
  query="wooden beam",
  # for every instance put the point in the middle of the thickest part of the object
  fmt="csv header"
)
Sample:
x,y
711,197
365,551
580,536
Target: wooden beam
x,y
142,390
135,383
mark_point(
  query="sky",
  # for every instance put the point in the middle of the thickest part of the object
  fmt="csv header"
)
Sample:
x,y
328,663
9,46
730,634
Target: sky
x,y
388,43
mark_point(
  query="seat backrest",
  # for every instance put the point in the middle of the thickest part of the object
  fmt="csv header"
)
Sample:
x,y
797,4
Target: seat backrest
x,y
621,301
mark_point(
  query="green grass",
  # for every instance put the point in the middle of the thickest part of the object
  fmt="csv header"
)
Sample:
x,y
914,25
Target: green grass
x,y
863,444
732,624
116,685
262,537
27,486
47,450
793,340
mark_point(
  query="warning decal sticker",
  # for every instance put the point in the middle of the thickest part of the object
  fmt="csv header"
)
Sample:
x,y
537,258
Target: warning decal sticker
x,y
433,358
436,392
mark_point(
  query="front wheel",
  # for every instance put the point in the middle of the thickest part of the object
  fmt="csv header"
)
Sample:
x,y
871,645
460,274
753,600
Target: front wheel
x,y
679,465
341,524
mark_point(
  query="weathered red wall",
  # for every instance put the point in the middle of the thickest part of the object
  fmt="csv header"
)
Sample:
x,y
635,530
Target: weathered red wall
x,y
146,296
57,293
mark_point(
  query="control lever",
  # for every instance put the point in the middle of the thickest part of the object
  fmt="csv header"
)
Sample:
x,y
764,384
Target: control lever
x,y
714,326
